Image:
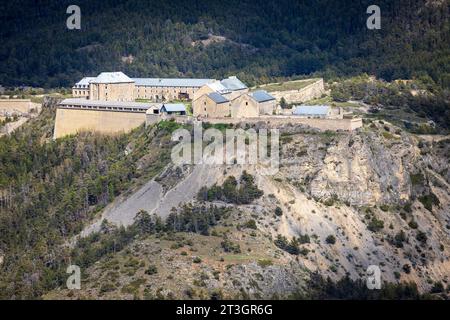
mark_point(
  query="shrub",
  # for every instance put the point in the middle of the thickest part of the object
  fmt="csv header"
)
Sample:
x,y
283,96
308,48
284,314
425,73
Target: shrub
x,y
107,287
331,239
151,270
229,246
264,263
304,251
278,211
291,247
375,225
302,239
413,224
407,207
399,239
406,268
438,287
251,224
421,237
196,260
417,179
429,200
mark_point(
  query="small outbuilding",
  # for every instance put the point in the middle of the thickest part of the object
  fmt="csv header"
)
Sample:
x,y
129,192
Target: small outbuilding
x,y
173,108
312,111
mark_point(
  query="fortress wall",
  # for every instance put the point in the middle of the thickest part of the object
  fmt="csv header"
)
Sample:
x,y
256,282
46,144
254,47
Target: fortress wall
x,y
313,91
16,105
155,118
71,121
272,121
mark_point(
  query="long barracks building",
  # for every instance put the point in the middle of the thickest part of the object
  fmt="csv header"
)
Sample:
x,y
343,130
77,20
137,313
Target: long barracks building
x,y
116,86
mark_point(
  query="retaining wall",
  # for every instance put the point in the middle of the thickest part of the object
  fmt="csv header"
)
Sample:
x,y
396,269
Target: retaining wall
x,y
71,121
313,91
272,121
17,105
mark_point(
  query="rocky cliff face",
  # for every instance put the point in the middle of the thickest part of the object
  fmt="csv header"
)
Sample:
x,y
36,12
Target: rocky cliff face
x,y
377,196
383,193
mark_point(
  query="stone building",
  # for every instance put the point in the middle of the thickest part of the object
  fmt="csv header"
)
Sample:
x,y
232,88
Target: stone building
x,y
312,111
112,86
318,111
116,86
168,89
173,109
253,104
212,105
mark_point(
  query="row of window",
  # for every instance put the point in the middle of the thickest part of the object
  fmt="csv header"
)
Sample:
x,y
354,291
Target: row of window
x,y
81,92
104,108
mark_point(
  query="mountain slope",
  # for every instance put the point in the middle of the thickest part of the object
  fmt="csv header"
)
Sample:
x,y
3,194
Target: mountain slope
x,y
258,40
382,198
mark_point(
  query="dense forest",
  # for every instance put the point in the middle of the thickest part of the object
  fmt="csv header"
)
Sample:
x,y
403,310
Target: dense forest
x,y
263,40
49,189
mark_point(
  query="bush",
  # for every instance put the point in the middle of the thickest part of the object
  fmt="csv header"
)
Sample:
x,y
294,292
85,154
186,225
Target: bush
x,y
375,225
407,268
417,179
413,224
438,287
151,270
107,287
399,239
251,224
302,239
278,211
331,239
291,247
264,263
429,200
229,246
421,237
196,260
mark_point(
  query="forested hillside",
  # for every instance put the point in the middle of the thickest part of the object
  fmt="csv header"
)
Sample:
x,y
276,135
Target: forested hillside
x,y
262,40
49,189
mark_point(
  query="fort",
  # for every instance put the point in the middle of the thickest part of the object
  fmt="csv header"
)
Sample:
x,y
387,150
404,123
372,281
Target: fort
x,y
114,103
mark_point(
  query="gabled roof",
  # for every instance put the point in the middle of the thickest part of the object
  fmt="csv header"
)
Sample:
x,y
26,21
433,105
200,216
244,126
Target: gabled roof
x,y
171,82
112,77
84,82
261,96
217,97
311,110
232,83
217,86
173,107
98,103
